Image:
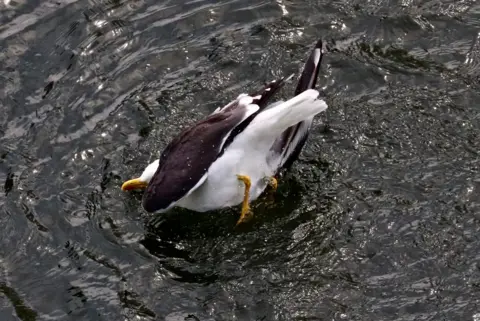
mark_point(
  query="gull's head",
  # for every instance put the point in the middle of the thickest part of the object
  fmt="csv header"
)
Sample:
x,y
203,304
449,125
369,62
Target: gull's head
x,y
142,181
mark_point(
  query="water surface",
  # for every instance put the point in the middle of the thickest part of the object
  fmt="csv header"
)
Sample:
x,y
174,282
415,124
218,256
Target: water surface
x,y
378,220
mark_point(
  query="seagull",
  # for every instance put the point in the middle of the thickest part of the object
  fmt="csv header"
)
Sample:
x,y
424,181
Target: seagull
x,y
232,155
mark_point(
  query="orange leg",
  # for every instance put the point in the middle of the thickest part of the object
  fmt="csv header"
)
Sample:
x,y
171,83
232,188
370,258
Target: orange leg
x,y
246,213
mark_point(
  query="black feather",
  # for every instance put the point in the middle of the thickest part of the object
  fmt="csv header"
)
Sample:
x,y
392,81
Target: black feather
x,y
187,158
308,80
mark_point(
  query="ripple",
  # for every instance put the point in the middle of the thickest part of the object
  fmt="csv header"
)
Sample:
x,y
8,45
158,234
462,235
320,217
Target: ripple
x,y
26,20
378,218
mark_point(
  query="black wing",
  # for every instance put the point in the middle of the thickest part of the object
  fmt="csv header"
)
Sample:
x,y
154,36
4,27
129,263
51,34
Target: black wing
x,y
291,142
185,161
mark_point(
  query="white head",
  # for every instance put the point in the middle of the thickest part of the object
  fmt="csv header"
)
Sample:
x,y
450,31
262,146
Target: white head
x,y
149,171
143,180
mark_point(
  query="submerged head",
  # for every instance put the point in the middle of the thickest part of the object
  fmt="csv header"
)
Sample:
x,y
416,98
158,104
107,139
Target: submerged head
x,y
142,181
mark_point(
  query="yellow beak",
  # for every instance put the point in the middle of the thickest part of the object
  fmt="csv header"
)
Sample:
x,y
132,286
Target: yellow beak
x,y
134,184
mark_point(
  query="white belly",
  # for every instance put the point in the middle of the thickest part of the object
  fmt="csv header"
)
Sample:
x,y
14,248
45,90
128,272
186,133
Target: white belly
x,y
222,187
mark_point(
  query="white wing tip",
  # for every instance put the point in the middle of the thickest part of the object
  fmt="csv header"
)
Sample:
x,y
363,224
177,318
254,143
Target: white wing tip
x,y
309,94
317,54
322,105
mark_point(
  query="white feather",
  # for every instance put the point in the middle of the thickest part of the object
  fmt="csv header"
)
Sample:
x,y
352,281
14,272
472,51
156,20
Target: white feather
x,y
149,171
273,121
247,155
317,53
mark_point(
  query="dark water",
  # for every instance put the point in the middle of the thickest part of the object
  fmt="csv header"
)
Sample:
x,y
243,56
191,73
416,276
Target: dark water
x,y
379,219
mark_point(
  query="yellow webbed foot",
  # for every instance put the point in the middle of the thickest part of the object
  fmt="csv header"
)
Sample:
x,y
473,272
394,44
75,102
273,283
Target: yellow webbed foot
x,y
272,181
269,195
246,213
